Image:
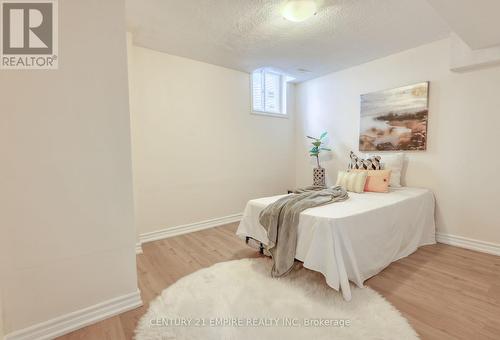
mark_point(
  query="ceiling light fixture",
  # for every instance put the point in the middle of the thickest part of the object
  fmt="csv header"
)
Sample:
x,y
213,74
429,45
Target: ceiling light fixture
x,y
299,10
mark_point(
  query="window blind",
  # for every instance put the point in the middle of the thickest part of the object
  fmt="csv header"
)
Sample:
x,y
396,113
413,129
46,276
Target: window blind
x,y
268,95
272,82
257,91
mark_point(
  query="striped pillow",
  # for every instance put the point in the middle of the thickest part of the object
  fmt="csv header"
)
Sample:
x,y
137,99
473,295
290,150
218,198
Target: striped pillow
x,y
352,181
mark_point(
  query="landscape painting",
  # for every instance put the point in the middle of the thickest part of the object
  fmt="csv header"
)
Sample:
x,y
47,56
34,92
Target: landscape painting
x,y
395,119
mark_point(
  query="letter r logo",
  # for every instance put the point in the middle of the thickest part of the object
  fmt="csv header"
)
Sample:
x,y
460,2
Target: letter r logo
x,y
27,27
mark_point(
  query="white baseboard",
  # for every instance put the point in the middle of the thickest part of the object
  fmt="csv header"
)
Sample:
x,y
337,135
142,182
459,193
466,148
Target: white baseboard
x,y
468,243
188,228
72,321
138,248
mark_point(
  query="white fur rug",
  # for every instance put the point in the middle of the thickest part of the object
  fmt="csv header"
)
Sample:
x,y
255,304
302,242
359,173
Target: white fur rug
x,y
239,300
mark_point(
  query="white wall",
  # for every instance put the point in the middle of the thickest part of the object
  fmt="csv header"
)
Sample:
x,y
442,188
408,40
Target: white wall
x,y
1,320
66,199
4,252
197,151
461,163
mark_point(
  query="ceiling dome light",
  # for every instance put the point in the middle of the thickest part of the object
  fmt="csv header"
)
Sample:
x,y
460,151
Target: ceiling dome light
x,y
299,10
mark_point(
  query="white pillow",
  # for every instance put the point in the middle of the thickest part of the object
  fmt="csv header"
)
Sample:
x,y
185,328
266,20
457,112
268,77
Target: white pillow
x,y
352,181
393,162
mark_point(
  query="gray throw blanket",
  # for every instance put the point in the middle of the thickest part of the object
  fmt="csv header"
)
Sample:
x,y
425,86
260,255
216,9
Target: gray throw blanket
x,y
281,220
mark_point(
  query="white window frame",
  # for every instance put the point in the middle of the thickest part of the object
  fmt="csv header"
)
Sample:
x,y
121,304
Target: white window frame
x,y
282,94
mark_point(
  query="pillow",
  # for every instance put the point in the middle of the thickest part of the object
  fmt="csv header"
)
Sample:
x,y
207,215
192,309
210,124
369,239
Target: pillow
x,y
352,181
376,180
371,163
393,162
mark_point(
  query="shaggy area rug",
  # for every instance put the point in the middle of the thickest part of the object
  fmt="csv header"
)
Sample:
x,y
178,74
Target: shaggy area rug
x,y
239,300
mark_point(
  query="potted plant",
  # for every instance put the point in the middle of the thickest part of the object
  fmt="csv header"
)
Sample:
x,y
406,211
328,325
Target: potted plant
x,y
317,147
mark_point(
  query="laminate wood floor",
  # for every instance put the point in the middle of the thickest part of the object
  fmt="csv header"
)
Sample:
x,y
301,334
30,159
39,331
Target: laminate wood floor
x,y
445,292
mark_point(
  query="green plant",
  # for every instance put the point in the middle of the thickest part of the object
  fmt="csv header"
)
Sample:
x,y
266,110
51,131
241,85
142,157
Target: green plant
x,y
318,146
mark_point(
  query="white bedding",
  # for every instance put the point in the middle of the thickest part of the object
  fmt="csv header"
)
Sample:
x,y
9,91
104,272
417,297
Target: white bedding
x,y
355,239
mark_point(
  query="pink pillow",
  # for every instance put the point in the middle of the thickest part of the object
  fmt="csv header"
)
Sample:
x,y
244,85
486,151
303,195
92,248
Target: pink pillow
x,y
377,180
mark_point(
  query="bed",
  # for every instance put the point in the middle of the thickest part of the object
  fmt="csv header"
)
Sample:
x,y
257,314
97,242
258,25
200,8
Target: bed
x,y
355,239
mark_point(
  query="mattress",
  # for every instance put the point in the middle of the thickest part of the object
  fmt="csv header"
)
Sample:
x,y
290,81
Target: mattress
x,y
357,238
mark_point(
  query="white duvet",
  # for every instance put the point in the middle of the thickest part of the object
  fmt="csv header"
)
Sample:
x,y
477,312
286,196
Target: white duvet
x,y
355,239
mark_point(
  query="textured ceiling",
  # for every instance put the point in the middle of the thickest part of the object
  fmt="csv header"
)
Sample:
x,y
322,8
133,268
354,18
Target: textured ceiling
x,y
476,22
248,34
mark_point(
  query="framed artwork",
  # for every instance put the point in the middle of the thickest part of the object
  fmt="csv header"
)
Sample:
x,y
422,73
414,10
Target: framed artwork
x,y
395,119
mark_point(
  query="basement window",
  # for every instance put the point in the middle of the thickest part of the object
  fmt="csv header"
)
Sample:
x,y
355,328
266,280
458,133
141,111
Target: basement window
x,y
269,93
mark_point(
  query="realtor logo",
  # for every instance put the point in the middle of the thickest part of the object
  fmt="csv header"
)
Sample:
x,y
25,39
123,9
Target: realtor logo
x,y
29,34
